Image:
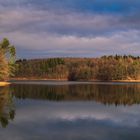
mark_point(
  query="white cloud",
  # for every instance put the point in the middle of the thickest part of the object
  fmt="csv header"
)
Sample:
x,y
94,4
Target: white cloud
x,y
121,42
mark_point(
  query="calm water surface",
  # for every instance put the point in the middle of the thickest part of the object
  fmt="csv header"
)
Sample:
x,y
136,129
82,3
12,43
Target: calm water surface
x,y
70,111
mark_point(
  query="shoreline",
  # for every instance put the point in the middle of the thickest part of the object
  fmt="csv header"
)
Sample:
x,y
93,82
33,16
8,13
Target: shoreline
x,y
4,84
66,80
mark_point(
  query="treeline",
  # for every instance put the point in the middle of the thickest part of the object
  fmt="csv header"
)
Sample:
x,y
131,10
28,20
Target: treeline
x,y
103,68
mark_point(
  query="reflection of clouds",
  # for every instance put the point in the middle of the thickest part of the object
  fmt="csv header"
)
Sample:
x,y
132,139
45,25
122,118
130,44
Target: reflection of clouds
x,y
72,120
72,111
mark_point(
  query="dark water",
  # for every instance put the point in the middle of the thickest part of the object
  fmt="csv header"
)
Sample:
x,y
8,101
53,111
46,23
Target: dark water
x,y
70,111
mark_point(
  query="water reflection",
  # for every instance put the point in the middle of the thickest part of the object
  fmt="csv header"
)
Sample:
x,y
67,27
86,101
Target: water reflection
x,y
77,112
126,94
7,111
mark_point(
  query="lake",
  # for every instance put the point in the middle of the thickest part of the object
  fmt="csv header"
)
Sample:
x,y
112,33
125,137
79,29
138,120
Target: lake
x,y
70,111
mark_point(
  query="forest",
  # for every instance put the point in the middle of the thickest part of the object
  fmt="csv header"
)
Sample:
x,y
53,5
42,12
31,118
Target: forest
x,y
105,68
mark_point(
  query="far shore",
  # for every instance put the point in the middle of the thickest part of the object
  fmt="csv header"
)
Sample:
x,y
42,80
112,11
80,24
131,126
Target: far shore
x,y
16,80
41,79
4,83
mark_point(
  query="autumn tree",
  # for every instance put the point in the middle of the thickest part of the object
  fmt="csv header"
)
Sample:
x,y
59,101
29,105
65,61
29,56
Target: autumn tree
x,y
7,59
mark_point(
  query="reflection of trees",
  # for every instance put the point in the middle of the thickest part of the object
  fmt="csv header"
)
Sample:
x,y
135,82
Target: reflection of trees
x,y
107,94
7,111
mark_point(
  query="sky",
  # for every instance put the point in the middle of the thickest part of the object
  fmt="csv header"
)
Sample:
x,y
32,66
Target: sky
x,y
71,28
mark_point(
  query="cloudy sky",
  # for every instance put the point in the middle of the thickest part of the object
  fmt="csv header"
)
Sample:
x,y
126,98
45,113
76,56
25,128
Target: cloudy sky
x,y
77,28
